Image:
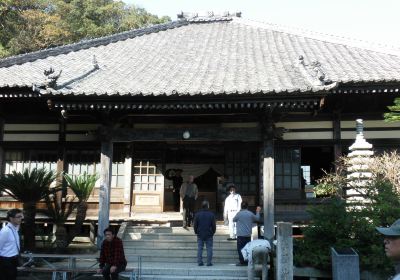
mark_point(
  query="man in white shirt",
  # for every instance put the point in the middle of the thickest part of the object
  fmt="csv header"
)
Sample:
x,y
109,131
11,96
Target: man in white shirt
x,y
10,245
392,245
231,208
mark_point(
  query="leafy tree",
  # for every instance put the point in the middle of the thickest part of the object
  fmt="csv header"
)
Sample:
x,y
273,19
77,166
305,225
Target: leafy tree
x,y
38,29
82,186
31,25
394,115
29,187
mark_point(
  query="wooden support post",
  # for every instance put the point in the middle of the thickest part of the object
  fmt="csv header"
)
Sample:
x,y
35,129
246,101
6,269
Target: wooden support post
x,y
105,189
337,137
61,157
128,180
268,190
269,132
2,163
284,252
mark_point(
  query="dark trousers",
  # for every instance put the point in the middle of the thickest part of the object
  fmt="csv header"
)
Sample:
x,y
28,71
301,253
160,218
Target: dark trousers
x,y
209,246
177,200
8,268
241,242
107,275
188,209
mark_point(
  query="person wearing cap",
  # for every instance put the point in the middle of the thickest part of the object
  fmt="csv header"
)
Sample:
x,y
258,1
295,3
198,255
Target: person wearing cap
x,y
9,245
231,208
392,244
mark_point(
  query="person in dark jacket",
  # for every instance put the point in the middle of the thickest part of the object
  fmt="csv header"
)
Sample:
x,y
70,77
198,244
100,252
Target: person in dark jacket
x,y
175,175
204,227
112,257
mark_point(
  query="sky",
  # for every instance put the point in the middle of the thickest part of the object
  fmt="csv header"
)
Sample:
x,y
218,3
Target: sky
x,y
376,21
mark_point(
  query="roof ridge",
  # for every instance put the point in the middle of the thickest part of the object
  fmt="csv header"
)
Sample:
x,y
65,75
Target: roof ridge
x,y
325,37
85,44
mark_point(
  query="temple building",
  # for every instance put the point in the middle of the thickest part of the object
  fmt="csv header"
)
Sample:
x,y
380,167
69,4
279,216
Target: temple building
x,y
268,106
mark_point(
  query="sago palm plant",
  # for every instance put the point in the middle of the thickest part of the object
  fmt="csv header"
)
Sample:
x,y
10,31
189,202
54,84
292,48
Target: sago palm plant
x,y
82,185
29,187
59,210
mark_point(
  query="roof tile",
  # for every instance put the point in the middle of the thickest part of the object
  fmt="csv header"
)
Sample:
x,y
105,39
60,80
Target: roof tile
x,y
212,57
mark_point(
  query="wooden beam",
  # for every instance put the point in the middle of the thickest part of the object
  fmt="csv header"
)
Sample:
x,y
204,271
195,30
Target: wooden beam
x,y
176,134
105,189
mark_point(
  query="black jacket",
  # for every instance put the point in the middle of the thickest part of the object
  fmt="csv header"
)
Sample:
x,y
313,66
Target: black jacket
x,y
204,224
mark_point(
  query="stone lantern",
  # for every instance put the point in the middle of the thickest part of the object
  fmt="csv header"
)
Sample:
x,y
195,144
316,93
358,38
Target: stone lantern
x,y
360,158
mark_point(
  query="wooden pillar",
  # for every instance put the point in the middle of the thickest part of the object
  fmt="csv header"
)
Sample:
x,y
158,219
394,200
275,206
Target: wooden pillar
x,y
128,179
337,137
61,154
268,171
105,189
268,189
2,163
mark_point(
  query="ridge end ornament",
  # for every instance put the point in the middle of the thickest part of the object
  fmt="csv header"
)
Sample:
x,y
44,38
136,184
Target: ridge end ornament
x,y
314,72
51,78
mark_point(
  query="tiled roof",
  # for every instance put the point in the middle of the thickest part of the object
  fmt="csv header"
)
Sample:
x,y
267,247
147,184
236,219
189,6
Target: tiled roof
x,y
224,56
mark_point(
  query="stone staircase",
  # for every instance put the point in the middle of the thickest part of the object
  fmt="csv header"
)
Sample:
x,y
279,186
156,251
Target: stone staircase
x,y
170,253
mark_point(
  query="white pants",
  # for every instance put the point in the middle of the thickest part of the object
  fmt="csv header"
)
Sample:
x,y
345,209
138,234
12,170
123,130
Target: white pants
x,y
232,225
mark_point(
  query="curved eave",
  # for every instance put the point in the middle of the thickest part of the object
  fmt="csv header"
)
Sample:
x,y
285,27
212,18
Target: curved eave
x,y
256,92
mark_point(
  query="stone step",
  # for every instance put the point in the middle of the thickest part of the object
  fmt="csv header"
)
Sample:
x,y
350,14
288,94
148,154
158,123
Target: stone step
x,y
171,253
168,236
178,252
192,271
231,259
163,229
183,234
205,277
141,243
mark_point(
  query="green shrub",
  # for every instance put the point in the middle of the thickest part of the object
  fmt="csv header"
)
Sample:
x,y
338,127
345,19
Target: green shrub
x,y
341,224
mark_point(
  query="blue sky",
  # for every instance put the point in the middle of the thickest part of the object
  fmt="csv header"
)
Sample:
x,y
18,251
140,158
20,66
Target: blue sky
x,y
370,20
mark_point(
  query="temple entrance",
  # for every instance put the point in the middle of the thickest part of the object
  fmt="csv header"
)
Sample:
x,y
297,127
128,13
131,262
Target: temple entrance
x,y
204,161
206,178
153,187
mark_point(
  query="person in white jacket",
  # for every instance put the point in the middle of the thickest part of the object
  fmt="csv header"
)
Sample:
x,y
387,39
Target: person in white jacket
x,y
231,208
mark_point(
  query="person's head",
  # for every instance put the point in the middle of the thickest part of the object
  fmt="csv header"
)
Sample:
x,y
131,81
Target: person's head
x,y
178,172
244,205
391,240
109,234
190,179
232,189
15,216
205,204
